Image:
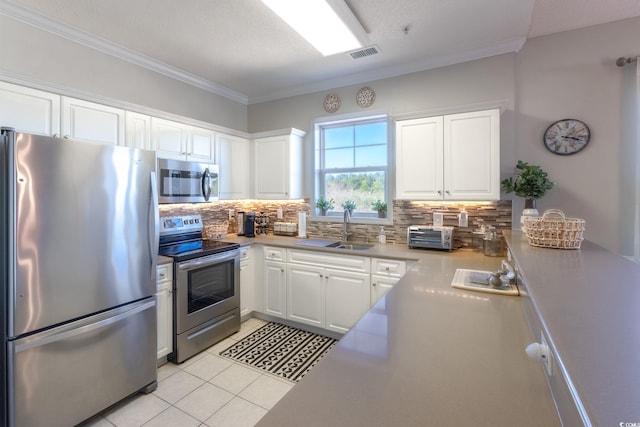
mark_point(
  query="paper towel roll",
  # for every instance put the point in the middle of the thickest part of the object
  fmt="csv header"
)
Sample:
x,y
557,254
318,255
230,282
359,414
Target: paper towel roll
x,y
302,225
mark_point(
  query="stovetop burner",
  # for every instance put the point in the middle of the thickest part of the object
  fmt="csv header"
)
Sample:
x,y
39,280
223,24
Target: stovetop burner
x,y
181,239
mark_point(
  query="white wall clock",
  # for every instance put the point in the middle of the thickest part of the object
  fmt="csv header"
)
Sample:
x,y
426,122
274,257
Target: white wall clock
x,y
365,97
332,103
567,136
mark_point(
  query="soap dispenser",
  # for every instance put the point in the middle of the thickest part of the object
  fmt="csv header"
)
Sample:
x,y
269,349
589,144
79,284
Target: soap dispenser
x,y
382,237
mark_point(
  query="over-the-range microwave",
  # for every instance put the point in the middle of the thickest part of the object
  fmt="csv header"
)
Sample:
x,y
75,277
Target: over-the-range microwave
x,y
430,237
181,181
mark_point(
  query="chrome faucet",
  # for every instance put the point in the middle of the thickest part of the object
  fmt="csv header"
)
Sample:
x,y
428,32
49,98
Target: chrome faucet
x,y
345,226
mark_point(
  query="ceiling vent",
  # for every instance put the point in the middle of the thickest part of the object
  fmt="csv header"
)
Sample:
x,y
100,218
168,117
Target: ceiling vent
x,y
367,51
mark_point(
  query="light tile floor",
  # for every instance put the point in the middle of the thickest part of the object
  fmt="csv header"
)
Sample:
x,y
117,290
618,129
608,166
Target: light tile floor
x,y
206,390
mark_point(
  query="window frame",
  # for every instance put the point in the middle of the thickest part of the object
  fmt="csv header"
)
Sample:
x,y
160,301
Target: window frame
x,y
318,181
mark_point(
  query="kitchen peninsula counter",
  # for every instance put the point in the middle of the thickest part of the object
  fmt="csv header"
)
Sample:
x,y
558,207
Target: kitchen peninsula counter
x,y
588,302
426,354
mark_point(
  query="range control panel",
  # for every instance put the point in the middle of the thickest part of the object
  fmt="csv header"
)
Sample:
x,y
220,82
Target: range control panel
x,y
180,224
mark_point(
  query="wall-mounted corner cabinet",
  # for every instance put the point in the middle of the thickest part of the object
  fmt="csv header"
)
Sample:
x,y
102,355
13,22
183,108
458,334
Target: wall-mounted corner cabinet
x,y
451,157
173,140
278,165
29,110
233,156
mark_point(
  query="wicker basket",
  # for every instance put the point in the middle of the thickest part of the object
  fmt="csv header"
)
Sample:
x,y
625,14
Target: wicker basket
x,y
217,231
554,230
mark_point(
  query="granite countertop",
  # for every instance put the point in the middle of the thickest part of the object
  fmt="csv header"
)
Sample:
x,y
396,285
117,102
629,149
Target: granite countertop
x,y
588,301
426,354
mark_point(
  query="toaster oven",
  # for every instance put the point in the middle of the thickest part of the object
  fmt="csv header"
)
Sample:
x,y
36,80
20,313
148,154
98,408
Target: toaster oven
x,y
430,237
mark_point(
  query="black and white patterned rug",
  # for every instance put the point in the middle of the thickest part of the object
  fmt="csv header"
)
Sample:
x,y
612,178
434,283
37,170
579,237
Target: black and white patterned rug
x,y
280,350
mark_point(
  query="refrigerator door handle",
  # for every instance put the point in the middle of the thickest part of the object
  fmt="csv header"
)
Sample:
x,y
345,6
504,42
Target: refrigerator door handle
x,y
206,189
53,336
154,222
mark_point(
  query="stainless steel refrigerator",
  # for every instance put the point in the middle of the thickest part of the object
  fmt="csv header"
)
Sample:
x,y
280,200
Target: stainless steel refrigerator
x,y
78,247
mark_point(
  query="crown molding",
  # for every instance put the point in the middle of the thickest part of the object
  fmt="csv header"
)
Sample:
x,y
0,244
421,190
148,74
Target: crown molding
x,y
89,40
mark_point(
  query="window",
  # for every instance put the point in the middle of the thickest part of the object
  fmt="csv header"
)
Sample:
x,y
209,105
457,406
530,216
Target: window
x,y
351,163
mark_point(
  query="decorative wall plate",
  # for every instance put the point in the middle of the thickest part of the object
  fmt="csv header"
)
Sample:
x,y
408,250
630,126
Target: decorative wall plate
x,y
332,103
365,97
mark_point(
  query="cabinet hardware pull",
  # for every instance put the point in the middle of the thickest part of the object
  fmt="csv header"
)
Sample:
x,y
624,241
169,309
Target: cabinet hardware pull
x,y
373,284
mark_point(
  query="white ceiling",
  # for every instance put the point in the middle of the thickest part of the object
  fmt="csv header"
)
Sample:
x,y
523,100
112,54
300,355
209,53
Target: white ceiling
x,y
240,49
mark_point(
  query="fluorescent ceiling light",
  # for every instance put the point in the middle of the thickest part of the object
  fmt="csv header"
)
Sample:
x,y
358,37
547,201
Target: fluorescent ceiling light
x,y
319,23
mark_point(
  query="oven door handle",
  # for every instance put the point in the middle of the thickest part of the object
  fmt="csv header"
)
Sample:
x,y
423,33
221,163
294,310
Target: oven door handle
x,y
208,260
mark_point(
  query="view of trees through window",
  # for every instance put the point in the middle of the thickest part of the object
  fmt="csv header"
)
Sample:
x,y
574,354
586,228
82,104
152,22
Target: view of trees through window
x,y
352,162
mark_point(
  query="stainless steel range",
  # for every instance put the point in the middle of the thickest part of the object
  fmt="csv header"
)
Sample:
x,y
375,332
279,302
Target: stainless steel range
x,y
206,286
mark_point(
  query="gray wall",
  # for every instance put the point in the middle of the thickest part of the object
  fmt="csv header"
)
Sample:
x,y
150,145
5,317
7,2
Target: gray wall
x,y
33,54
569,74
566,75
573,75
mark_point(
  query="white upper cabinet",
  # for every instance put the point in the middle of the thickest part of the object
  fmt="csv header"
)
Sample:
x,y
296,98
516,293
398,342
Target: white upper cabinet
x,y
91,122
419,159
452,157
29,110
173,140
278,166
233,155
472,155
138,130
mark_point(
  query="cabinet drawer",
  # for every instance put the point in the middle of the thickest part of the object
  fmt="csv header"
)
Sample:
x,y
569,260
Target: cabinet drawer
x,y
165,273
272,253
388,267
244,254
348,262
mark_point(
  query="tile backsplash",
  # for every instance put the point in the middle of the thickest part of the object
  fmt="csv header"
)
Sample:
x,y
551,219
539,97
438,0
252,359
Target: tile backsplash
x,y
405,213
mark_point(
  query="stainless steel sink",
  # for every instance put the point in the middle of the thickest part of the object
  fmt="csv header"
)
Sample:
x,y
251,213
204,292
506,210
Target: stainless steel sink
x,y
350,246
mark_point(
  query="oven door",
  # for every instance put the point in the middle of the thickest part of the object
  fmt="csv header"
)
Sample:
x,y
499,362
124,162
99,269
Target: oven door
x,y
206,287
187,182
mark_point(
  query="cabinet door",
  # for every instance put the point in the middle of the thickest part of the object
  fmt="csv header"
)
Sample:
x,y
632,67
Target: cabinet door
x,y
275,289
233,156
138,130
380,285
86,121
164,301
306,294
165,322
168,139
200,145
347,298
472,156
271,168
29,110
246,283
419,159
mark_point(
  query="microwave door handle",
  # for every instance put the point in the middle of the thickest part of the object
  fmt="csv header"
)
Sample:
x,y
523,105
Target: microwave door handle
x,y
206,188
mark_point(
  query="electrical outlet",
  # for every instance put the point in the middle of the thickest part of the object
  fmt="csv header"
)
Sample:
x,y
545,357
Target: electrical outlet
x,y
231,214
438,219
462,219
279,213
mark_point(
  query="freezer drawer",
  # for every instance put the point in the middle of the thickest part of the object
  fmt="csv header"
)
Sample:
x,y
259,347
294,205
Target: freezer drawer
x,y
65,375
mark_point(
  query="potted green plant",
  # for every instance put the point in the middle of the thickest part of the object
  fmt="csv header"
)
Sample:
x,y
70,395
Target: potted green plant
x,y
349,205
530,182
380,207
324,205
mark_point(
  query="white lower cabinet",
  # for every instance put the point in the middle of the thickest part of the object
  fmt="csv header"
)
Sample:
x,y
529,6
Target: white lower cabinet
x,y
306,294
275,289
164,301
347,298
380,285
247,281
